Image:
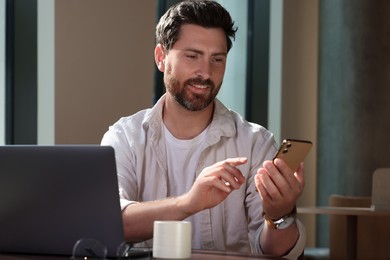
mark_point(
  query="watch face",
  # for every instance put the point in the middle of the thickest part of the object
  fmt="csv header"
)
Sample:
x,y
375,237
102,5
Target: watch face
x,y
285,222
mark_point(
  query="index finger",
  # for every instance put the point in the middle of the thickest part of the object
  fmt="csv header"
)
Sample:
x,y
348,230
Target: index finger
x,y
236,161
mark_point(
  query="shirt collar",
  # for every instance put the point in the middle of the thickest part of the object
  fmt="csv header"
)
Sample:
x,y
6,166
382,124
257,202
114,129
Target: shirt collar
x,y
221,125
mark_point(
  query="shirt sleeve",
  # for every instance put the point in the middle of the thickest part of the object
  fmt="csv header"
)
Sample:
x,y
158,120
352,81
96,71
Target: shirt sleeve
x,y
298,248
114,137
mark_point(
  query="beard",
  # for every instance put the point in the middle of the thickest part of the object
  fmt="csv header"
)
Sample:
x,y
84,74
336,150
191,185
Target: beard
x,y
188,99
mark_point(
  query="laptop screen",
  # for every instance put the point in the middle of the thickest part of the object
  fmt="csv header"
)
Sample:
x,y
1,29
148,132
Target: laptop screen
x,y
52,196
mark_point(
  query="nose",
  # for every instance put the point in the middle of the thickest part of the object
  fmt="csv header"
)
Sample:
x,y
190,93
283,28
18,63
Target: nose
x,y
204,69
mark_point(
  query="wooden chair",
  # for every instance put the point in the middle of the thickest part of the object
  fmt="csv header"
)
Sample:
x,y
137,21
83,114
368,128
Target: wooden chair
x,y
373,233
380,189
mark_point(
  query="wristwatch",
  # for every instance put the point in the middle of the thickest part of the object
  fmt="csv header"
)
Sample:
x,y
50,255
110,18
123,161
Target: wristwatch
x,y
283,222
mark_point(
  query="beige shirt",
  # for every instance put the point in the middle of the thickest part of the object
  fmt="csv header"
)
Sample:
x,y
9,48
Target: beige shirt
x,y
233,225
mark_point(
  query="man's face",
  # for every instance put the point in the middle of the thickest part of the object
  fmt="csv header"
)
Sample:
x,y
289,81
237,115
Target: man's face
x,y
195,66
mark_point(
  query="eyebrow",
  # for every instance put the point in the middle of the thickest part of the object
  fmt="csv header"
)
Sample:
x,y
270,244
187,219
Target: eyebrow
x,y
201,52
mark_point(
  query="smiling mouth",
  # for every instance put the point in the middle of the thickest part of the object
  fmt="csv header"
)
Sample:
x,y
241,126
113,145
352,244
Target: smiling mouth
x,y
199,86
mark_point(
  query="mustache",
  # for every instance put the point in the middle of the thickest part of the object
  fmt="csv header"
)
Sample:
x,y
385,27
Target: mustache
x,y
200,81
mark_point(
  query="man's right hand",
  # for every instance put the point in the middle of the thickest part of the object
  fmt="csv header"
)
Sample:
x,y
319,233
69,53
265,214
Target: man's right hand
x,y
213,185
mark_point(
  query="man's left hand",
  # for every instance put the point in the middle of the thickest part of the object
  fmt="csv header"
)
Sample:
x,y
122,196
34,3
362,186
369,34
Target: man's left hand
x,y
279,187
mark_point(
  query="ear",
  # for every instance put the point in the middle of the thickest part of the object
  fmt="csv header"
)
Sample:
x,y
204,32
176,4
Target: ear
x,y
159,57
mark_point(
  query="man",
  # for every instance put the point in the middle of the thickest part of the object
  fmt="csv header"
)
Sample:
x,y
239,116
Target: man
x,y
189,157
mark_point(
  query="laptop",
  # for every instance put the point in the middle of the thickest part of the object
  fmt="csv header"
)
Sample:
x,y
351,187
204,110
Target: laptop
x,y
52,196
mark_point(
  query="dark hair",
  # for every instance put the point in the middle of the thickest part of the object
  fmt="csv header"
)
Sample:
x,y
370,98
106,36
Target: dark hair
x,y
205,13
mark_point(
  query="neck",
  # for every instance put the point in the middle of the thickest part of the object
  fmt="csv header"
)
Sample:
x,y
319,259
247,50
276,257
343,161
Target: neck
x,y
184,124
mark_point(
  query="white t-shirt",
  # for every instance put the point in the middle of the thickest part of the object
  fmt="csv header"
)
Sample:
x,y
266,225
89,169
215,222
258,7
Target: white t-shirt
x,y
183,157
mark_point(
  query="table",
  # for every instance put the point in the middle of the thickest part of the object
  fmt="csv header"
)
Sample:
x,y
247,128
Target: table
x,y
196,255
204,254
352,214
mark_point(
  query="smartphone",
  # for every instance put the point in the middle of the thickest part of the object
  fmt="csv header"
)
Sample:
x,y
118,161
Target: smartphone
x,y
293,152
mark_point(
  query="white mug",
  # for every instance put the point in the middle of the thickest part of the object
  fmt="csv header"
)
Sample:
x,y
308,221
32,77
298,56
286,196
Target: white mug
x,y
172,239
